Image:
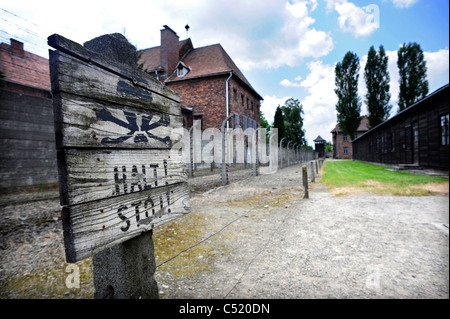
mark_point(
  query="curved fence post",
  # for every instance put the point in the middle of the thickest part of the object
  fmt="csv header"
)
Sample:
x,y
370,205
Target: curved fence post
x,y
224,170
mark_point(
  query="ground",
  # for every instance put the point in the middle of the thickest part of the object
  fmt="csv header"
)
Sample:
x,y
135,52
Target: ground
x,y
255,238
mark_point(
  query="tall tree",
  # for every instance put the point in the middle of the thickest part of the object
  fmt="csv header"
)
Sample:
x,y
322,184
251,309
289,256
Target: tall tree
x,y
377,79
293,121
278,122
348,106
413,75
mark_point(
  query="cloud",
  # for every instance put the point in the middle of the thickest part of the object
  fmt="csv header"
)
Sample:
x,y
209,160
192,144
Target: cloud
x,y
360,21
288,83
437,75
403,3
269,106
290,38
437,68
266,35
319,105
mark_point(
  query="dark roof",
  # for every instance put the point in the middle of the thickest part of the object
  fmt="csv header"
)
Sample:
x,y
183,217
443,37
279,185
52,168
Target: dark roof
x,y
410,108
319,139
363,126
203,62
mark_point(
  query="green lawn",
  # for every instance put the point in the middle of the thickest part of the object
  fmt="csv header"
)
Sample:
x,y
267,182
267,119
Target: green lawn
x,y
345,177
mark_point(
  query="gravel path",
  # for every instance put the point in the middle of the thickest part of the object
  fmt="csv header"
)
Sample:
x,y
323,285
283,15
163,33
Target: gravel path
x,y
255,238
362,246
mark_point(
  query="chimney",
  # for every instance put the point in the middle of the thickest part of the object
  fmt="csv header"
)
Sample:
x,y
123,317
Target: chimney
x,y
17,48
169,50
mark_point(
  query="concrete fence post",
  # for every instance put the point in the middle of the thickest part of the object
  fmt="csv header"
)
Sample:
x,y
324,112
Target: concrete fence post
x,y
224,170
255,164
313,176
191,153
305,181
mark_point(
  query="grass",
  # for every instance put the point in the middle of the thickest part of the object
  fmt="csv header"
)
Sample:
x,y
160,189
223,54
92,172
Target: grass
x,y
348,177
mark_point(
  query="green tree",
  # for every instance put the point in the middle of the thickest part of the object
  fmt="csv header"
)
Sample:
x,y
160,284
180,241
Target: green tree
x,y
293,121
278,122
413,75
377,79
264,122
348,106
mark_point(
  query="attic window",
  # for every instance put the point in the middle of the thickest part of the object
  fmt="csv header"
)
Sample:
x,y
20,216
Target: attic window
x,y
182,70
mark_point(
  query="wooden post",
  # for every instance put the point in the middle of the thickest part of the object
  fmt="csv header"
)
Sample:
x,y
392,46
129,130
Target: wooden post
x,y
305,181
118,177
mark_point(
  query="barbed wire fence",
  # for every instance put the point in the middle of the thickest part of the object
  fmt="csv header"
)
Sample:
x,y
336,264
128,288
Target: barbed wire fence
x,y
233,154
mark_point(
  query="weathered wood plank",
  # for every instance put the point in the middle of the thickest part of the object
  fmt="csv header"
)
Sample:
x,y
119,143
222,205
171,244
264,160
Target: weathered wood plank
x,y
74,76
113,127
91,175
85,122
94,226
138,77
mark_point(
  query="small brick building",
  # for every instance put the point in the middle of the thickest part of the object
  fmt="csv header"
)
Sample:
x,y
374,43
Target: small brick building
x,y
342,143
201,77
27,137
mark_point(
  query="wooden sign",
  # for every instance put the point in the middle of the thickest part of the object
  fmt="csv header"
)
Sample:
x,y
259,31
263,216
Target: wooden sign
x,y
114,128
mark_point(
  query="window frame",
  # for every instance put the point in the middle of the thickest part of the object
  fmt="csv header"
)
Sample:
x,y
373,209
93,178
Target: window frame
x,y
444,131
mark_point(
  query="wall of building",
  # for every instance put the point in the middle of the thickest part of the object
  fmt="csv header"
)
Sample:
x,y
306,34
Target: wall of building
x,y
394,142
339,145
27,137
207,97
243,102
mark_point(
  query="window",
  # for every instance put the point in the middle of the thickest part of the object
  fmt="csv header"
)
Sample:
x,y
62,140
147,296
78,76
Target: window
x,y
242,99
444,130
235,95
182,70
345,150
345,138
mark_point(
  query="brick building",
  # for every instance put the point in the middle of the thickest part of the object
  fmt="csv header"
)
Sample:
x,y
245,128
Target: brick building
x,y
27,137
207,80
342,143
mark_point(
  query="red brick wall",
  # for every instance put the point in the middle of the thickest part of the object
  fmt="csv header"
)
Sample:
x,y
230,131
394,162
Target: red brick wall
x,y
24,67
250,106
169,50
207,96
340,146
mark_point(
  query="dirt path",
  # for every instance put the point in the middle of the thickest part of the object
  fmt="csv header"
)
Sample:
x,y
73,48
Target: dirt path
x,y
265,241
255,238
